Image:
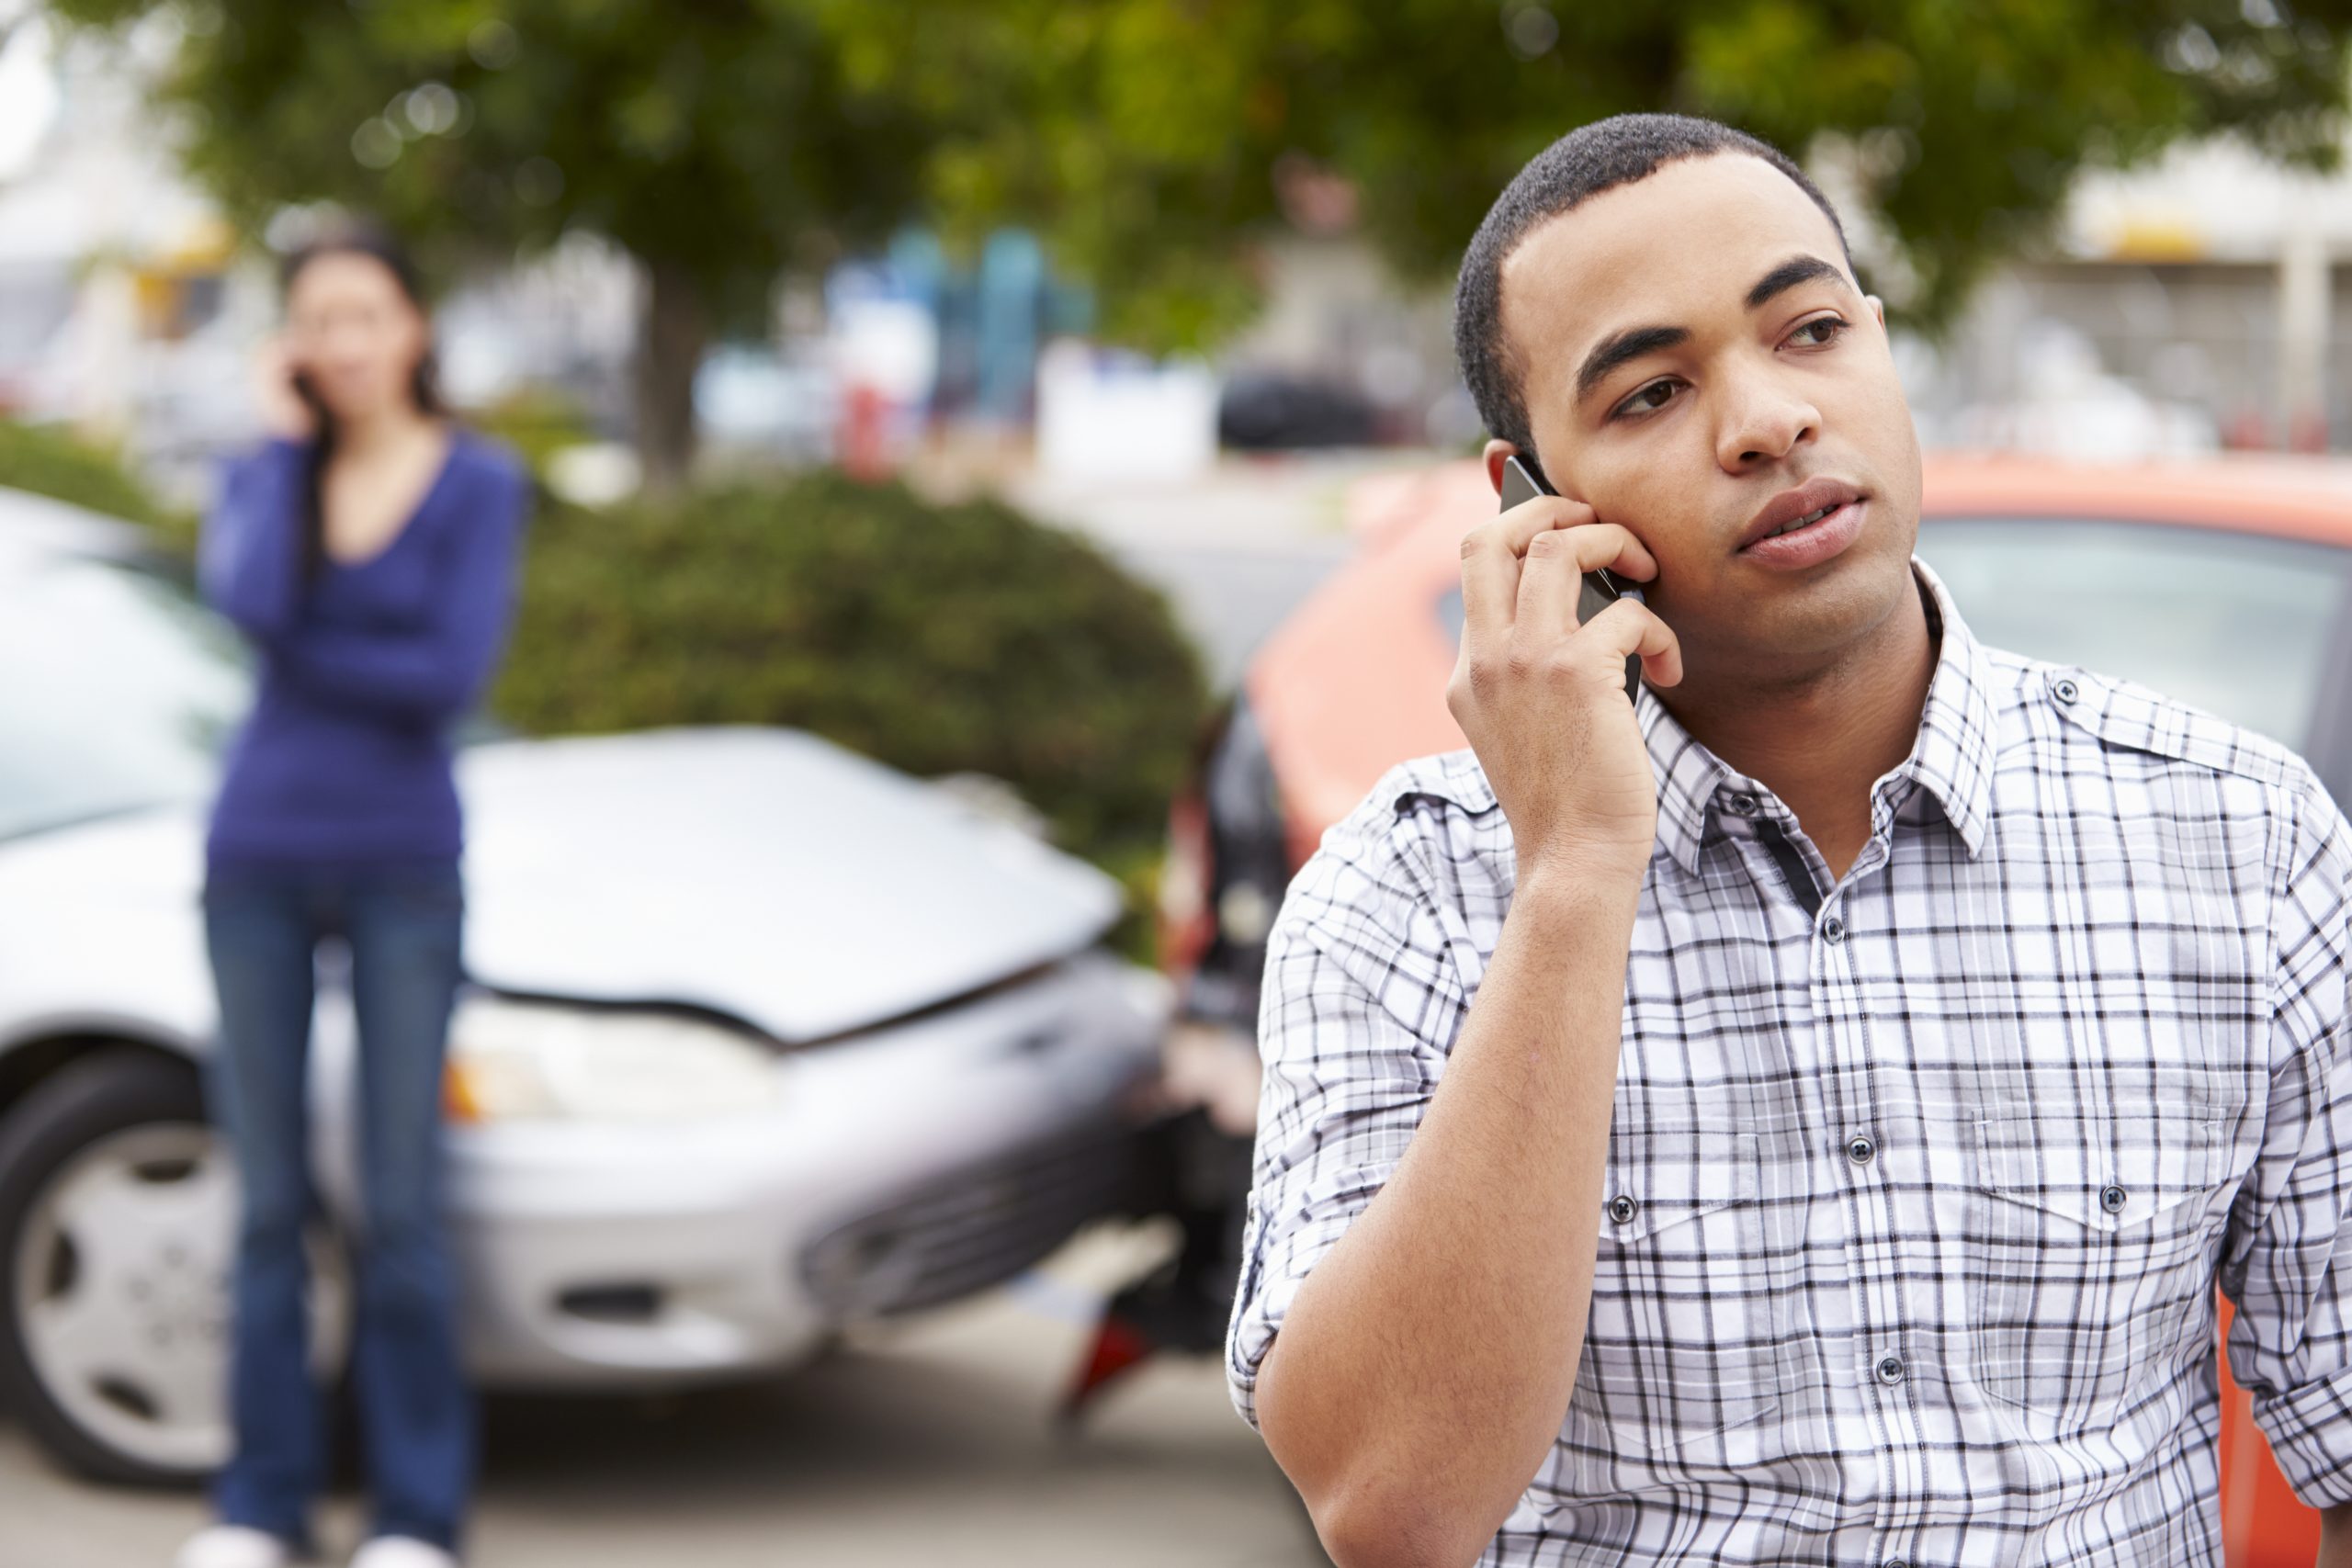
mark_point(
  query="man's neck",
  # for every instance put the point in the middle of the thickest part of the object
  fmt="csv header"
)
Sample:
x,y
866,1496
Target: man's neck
x,y
1821,741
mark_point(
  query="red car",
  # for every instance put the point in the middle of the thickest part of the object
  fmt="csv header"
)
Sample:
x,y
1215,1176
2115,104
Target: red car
x,y
2224,583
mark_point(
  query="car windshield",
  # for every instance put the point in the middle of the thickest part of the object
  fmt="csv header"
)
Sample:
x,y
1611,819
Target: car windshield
x,y
2237,624
117,691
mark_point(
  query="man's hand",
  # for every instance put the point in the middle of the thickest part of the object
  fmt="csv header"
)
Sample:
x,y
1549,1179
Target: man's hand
x,y
1543,699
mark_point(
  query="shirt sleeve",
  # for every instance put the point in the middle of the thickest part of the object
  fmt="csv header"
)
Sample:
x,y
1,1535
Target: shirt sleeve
x,y
2287,1261
1361,999
433,672
249,555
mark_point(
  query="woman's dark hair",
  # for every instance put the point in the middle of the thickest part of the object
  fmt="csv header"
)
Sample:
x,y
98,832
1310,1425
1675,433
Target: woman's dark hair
x,y
377,245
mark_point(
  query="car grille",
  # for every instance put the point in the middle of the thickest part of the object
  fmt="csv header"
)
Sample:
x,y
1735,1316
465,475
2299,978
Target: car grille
x,y
973,1229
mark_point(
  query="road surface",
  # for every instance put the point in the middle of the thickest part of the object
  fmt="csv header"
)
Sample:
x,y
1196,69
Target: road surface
x,y
923,1444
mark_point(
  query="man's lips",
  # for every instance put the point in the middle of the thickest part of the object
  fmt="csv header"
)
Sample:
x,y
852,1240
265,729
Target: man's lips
x,y
1791,509
1808,544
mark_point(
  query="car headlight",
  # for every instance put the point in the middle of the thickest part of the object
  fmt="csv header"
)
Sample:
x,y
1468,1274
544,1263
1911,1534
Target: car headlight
x,y
516,1061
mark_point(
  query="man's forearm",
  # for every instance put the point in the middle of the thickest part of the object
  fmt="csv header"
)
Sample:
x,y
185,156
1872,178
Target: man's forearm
x,y
1425,1365
2336,1537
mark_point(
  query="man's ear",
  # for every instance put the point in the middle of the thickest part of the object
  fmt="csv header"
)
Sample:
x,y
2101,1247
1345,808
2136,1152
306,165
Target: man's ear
x,y
1878,309
1497,454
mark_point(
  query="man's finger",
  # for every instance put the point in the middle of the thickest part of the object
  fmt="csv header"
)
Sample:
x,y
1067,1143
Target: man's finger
x,y
1629,627
1491,556
1596,547
1538,515
1550,582
1489,585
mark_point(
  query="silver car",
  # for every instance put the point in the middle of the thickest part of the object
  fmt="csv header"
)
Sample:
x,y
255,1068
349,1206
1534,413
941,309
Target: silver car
x,y
760,1038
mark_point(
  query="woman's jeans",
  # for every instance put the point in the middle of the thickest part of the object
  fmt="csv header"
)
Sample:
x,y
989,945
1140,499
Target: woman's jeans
x,y
401,923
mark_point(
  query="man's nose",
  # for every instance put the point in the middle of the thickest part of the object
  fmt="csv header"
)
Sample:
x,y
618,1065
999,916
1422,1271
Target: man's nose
x,y
1763,421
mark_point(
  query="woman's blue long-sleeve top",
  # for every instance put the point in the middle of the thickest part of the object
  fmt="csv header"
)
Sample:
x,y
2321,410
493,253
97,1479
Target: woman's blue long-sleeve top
x,y
345,757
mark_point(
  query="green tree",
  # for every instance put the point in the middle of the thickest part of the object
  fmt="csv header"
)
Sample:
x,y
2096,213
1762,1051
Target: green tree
x,y
723,141
716,141
1147,138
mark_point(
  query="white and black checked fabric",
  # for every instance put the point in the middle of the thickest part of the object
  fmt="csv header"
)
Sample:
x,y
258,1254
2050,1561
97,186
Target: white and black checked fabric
x,y
1919,1183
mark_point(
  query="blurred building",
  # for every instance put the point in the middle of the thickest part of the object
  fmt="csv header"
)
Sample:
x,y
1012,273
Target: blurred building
x,y
2205,289
122,307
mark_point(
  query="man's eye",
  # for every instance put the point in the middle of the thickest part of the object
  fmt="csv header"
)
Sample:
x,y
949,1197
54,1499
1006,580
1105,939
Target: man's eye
x,y
1818,333
1649,399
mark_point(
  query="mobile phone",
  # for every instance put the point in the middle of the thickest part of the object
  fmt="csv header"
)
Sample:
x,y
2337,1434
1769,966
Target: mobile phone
x,y
307,390
1522,481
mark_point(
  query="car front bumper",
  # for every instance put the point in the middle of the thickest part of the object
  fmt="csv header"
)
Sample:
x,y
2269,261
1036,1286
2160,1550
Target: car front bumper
x,y
899,1168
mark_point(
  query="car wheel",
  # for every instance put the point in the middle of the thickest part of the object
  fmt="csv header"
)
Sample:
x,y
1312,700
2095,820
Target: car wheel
x,y
118,1238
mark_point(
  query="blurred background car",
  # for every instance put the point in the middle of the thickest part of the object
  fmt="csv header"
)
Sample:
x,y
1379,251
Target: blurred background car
x,y
2225,582
728,1075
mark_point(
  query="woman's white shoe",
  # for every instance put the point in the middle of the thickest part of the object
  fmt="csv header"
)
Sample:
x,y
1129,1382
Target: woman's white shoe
x,y
232,1546
401,1551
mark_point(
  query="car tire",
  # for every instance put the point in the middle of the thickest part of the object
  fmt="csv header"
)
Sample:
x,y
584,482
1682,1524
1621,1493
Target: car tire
x,y
136,1118
101,1097
110,1098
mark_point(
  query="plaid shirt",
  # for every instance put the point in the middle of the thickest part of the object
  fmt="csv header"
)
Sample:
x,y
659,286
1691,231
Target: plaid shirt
x,y
1919,1182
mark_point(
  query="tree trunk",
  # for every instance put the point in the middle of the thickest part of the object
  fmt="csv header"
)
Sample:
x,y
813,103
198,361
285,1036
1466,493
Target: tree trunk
x,y
671,333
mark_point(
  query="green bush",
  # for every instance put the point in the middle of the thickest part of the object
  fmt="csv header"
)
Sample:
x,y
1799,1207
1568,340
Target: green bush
x,y
537,422
47,459
936,639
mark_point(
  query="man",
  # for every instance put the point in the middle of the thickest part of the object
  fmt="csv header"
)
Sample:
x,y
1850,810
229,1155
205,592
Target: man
x,y
1800,1116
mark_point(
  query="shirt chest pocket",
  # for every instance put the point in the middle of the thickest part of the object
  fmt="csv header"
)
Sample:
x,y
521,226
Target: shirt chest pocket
x,y
2093,1268
1681,1350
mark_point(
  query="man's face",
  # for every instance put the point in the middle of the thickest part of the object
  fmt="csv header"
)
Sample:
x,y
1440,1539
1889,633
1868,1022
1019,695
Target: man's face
x,y
1691,352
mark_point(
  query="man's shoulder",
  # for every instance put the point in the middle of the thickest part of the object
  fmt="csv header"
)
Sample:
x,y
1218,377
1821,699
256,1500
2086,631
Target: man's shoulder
x,y
2122,719
1426,821
1448,780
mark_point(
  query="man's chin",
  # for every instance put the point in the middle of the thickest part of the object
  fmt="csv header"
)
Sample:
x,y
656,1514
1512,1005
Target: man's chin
x,y
1793,628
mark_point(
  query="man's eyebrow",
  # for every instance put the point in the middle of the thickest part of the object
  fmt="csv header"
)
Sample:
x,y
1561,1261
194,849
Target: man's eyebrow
x,y
1787,275
1617,347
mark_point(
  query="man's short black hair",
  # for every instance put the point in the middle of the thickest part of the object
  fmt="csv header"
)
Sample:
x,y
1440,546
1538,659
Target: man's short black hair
x,y
1586,161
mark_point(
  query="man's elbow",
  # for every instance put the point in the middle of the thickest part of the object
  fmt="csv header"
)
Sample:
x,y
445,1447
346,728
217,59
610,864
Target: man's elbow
x,y
1376,1497
1375,1509
1393,1527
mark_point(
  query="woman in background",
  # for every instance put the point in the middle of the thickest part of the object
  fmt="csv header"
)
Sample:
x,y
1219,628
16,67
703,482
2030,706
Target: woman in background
x,y
368,551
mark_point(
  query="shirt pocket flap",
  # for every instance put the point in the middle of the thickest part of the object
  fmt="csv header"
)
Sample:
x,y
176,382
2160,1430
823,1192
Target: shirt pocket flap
x,y
2102,1183
1653,1183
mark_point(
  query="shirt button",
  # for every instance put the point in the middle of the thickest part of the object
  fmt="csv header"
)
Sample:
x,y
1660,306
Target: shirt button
x,y
2112,1199
1890,1369
1833,930
2066,691
1741,805
1858,1148
1623,1209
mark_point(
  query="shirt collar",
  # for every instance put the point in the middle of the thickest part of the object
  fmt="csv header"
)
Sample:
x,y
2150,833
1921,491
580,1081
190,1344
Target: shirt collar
x,y
1952,758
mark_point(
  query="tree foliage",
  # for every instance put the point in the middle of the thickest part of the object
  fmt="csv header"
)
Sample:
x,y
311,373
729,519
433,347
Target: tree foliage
x,y
716,142
723,139
715,136
1141,134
